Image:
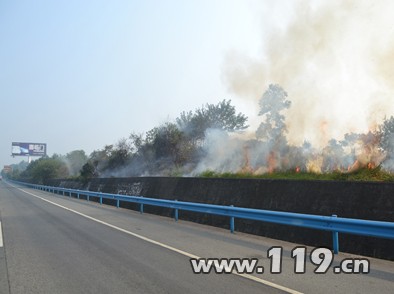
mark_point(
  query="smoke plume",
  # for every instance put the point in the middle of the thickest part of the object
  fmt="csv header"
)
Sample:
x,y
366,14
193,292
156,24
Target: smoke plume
x,y
336,61
322,87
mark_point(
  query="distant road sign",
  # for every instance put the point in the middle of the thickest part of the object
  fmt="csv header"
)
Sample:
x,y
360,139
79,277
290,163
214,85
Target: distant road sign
x,y
28,149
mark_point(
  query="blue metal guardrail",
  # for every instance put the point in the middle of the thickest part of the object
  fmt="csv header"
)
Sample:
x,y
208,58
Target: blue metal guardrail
x,y
327,223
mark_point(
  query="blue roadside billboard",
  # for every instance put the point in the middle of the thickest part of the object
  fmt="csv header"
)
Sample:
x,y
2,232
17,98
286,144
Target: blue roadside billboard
x,y
28,149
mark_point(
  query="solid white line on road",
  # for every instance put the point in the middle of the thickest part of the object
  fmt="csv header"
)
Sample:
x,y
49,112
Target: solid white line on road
x,y
190,255
1,236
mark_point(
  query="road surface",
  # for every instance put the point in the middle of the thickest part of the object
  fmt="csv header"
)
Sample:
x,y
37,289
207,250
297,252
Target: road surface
x,y
56,244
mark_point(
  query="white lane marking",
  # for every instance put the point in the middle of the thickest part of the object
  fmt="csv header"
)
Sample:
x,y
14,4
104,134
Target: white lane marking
x,y
1,236
190,255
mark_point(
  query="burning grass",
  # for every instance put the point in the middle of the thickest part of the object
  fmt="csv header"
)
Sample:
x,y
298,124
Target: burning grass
x,y
363,174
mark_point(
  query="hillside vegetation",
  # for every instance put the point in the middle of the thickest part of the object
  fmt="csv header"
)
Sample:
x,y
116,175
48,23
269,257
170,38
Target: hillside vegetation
x,y
363,174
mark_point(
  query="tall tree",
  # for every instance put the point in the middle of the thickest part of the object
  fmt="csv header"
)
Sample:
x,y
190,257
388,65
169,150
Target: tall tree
x,y
272,103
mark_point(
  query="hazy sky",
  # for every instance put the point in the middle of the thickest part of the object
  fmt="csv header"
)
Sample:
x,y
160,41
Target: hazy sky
x,y
83,74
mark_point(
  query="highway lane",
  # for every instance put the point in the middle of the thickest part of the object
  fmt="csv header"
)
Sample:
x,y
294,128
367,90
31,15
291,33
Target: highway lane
x,y
49,249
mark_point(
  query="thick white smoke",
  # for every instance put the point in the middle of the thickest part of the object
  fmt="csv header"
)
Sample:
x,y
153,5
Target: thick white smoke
x,y
336,61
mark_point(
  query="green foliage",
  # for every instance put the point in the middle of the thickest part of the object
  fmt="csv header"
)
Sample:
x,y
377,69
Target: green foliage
x,y
101,156
168,149
44,169
119,155
16,170
164,140
221,116
366,174
88,171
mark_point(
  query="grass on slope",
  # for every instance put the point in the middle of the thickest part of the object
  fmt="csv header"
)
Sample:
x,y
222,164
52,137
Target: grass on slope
x,y
363,174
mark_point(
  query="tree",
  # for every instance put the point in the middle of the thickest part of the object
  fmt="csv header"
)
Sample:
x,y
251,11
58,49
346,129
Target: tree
x,y
45,168
162,146
99,158
221,116
119,156
136,141
386,135
272,103
88,171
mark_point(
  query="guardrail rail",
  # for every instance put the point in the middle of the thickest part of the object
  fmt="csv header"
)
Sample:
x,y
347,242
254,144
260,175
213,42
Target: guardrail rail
x,y
332,223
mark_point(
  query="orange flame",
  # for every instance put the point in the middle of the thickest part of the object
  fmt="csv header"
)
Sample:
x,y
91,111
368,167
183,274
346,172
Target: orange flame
x,y
271,162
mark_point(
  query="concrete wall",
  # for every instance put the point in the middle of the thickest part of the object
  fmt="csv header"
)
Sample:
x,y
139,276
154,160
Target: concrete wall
x,y
361,200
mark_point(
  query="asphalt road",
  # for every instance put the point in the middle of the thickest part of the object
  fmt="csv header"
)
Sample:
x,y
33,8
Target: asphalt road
x,y
54,244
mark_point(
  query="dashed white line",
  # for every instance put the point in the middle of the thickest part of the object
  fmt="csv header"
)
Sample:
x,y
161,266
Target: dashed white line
x,y
190,255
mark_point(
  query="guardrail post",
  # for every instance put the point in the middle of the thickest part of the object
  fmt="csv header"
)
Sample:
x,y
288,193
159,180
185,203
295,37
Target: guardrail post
x,y
335,240
70,194
142,207
78,195
87,197
232,223
101,199
117,203
176,213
